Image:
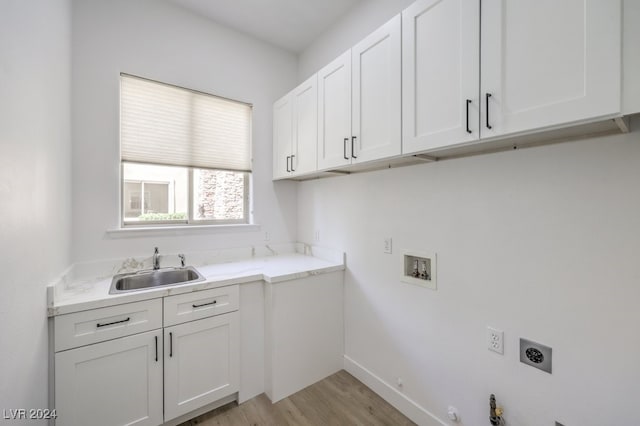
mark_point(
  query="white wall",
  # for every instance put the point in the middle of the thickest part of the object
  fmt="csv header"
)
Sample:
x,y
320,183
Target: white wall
x,y
542,243
161,41
359,22
35,69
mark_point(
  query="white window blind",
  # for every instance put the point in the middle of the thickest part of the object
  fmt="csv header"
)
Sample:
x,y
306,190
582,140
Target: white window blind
x,y
169,125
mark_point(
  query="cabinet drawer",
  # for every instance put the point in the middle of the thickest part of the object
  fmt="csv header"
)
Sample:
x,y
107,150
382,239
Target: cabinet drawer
x,y
98,325
200,304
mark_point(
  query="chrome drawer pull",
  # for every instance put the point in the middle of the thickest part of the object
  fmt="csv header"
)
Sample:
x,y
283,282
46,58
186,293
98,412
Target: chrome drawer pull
x,y
111,323
205,304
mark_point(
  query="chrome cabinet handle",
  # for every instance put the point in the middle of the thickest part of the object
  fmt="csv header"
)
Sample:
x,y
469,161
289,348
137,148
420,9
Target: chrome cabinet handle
x,y
288,157
170,345
344,148
111,323
156,348
468,102
292,169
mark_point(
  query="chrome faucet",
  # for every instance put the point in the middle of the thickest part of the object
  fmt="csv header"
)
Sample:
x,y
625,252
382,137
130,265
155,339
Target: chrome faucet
x,y
182,259
156,259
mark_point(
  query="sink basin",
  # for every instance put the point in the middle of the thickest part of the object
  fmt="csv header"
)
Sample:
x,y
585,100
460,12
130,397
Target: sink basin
x,y
144,280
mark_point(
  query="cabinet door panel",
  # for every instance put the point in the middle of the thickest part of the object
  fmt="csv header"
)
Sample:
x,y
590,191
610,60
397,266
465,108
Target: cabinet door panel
x,y
334,112
282,136
440,66
201,363
305,127
547,63
118,382
376,112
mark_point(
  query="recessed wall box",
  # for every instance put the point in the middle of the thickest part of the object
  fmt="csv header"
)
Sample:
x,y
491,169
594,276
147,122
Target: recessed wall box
x,y
419,268
536,355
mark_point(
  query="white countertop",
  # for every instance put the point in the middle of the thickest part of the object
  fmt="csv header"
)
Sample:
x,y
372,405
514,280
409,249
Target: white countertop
x,y
75,292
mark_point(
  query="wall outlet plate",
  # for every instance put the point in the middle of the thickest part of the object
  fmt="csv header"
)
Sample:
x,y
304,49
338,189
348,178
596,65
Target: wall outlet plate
x,y
495,340
536,355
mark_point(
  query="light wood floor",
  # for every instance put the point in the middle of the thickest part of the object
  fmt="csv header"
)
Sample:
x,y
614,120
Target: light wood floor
x,y
338,400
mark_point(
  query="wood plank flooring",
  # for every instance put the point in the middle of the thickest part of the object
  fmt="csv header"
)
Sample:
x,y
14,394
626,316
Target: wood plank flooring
x,y
338,400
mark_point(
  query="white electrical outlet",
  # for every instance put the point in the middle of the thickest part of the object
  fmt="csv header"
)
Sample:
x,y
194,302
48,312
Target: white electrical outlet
x,y
316,236
387,245
495,340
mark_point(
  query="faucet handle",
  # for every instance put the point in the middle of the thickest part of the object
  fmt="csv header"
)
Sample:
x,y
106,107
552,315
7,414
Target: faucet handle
x,y
182,259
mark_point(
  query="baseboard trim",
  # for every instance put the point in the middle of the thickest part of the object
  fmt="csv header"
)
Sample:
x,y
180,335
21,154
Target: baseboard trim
x,y
401,402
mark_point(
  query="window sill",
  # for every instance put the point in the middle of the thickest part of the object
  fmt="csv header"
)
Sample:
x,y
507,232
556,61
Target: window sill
x,y
133,231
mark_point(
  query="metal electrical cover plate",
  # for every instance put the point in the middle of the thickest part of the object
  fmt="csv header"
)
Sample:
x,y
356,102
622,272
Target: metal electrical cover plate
x,y
535,355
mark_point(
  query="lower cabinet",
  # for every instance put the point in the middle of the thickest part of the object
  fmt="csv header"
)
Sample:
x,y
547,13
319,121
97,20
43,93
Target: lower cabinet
x,y
118,382
148,377
201,363
304,332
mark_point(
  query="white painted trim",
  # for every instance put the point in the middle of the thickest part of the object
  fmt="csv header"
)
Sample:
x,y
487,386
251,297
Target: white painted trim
x,y
401,402
179,230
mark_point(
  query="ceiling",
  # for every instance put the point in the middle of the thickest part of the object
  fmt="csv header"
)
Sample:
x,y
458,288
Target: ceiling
x,y
289,24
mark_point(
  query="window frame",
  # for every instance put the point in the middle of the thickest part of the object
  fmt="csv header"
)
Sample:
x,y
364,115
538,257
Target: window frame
x,y
190,221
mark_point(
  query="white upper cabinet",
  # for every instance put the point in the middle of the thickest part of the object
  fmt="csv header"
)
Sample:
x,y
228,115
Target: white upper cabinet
x,y
295,131
305,127
282,136
376,94
447,75
359,101
334,113
541,64
547,63
440,73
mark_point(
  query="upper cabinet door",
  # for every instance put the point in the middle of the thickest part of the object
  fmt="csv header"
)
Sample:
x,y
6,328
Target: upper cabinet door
x,y
548,62
334,113
440,69
376,94
282,136
305,127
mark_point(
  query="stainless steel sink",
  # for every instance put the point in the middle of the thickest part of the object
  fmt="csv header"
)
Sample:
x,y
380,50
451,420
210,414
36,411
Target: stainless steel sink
x,y
143,280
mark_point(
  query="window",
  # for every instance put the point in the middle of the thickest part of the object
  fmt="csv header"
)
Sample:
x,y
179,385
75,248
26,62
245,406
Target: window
x,y
185,155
